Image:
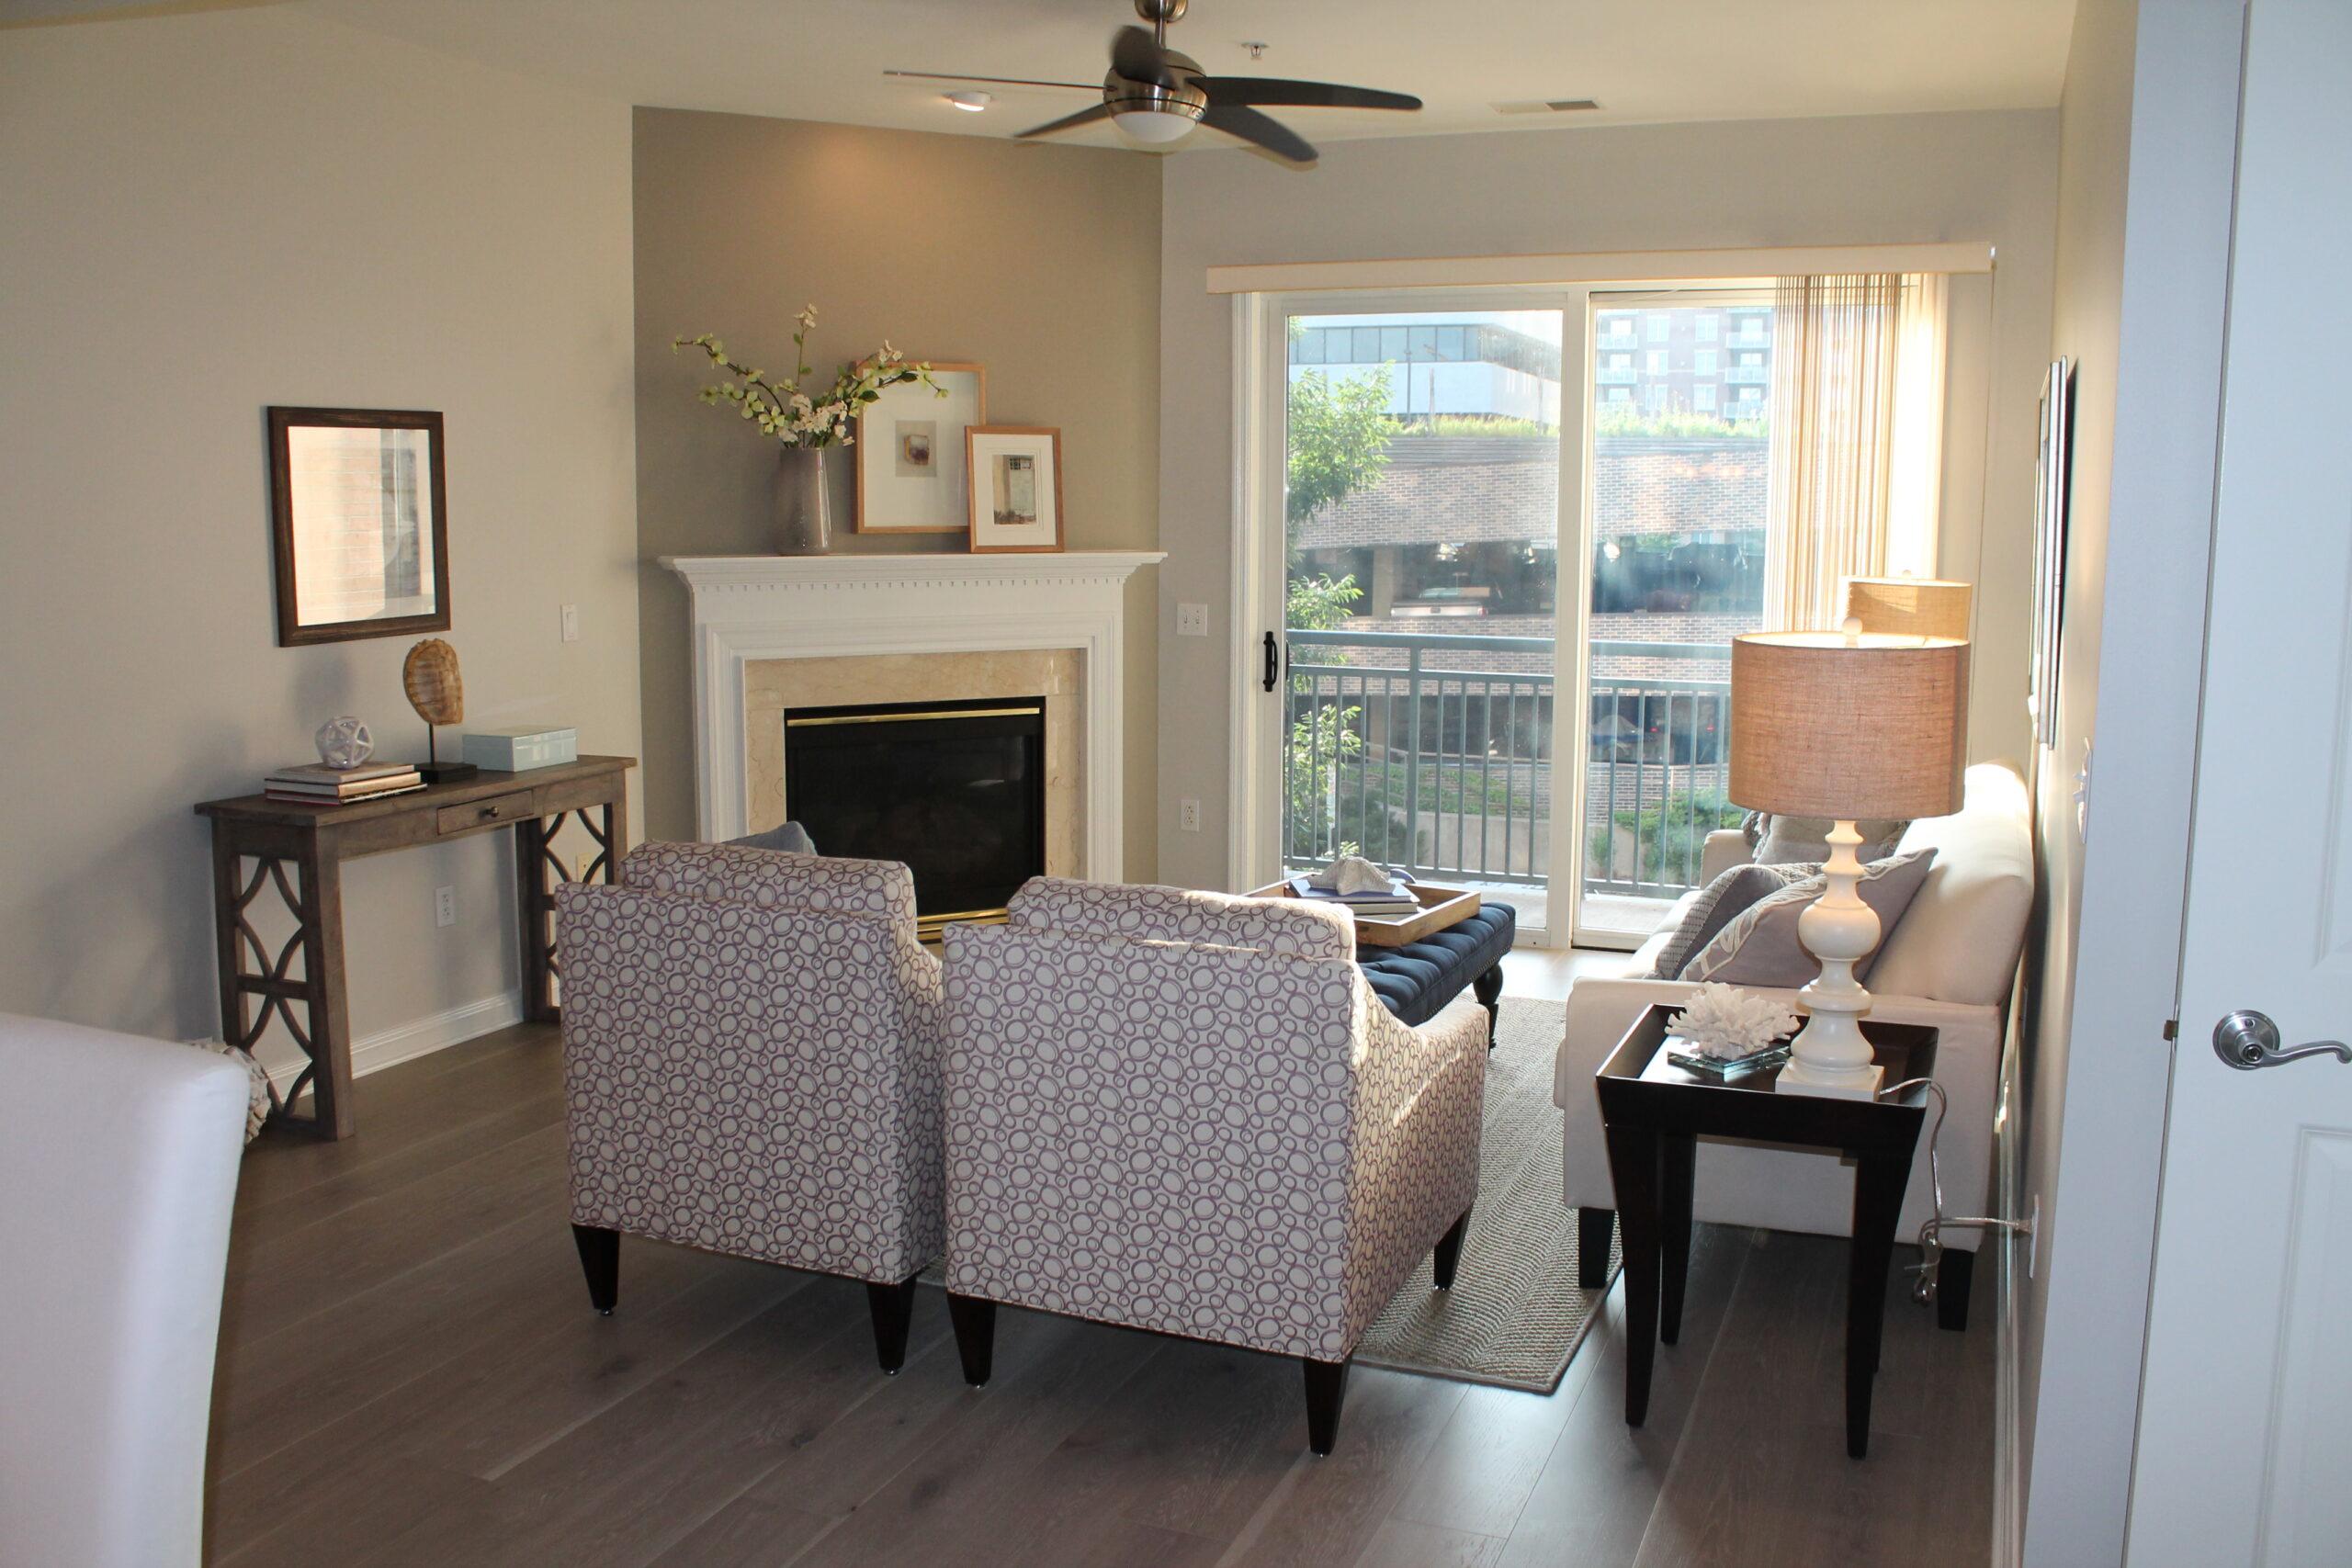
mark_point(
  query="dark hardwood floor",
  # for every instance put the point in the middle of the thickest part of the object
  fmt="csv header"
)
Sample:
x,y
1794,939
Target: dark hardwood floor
x,y
410,1373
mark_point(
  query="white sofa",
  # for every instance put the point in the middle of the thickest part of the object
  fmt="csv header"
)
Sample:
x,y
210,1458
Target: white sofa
x,y
118,1156
1949,963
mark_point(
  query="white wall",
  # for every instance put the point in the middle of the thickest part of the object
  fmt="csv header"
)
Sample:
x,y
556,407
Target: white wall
x,y
206,214
2147,144
1854,181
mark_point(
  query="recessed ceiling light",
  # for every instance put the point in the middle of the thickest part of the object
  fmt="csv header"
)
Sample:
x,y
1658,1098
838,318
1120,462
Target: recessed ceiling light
x,y
1547,106
970,103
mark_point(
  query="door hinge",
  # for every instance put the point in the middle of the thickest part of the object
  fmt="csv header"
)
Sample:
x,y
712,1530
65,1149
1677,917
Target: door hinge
x,y
2172,1029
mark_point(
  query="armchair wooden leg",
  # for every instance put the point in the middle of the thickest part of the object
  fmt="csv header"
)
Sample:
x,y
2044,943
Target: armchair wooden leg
x,y
893,1309
1955,1271
1489,988
600,1259
1594,1229
1327,1390
975,1322
1448,1255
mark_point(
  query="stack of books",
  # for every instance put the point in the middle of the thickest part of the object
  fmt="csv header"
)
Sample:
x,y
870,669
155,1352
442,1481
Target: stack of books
x,y
319,784
1372,903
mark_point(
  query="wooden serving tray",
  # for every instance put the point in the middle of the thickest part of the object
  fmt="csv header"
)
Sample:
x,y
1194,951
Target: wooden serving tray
x,y
1440,908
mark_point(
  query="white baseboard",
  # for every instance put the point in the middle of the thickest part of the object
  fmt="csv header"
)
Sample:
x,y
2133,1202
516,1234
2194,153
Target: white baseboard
x,y
2009,1449
420,1037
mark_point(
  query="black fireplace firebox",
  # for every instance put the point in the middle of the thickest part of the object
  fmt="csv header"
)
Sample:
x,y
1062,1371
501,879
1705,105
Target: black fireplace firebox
x,y
956,790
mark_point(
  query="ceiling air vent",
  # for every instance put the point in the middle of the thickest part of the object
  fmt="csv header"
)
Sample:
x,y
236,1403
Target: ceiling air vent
x,y
1547,106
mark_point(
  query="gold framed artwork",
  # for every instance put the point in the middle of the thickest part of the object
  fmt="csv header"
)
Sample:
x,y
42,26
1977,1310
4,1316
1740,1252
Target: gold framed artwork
x,y
1015,482
909,453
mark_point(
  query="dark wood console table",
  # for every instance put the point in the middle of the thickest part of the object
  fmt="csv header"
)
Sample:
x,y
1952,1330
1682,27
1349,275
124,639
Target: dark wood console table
x,y
314,841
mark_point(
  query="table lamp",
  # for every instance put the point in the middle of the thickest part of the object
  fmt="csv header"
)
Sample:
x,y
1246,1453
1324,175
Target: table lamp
x,y
1845,725
1909,606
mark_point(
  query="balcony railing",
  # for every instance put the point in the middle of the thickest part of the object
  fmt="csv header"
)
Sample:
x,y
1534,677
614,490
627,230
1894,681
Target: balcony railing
x,y
1616,375
1746,374
1435,753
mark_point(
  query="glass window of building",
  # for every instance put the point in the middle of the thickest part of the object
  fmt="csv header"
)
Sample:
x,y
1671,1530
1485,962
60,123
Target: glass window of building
x,y
1702,361
1660,326
1702,398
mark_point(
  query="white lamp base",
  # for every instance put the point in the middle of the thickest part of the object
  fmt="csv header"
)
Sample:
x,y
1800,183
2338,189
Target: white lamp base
x,y
1829,1056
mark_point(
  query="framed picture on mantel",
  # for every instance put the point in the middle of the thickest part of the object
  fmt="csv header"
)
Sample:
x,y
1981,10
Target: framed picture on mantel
x,y
910,452
1016,488
358,505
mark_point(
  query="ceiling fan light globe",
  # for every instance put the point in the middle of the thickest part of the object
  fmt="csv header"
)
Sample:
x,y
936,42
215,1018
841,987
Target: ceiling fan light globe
x,y
1158,127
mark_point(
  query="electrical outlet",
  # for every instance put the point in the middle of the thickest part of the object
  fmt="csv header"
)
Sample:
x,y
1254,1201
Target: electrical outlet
x,y
572,622
1188,815
1192,620
445,905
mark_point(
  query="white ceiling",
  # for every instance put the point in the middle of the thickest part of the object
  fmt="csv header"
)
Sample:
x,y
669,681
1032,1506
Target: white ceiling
x,y
1646,61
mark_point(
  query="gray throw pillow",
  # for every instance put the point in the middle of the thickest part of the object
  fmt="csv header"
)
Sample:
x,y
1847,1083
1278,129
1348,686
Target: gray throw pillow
x,y
1778,841
1717,904
791,839
1760,945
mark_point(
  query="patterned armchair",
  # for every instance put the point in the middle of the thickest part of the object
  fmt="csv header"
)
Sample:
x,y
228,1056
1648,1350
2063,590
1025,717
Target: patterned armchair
x,y
1186,1112
750,1045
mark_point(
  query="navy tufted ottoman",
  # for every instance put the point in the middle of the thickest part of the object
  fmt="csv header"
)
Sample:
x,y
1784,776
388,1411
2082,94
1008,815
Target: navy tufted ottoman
x,y
1417,980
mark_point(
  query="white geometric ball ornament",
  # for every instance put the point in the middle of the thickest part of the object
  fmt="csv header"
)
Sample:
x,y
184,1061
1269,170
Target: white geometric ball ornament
x,y
344,742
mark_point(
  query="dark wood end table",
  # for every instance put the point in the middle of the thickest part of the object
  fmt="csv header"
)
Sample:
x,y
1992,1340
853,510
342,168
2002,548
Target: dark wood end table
x,y
1654,1114
313,840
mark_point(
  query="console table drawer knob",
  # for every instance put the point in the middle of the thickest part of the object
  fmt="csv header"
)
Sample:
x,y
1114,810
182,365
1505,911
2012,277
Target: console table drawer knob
x,y
477,813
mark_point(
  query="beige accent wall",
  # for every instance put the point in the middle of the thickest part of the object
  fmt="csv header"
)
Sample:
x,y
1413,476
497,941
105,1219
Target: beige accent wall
x,y
204,215
1041,263
1875,180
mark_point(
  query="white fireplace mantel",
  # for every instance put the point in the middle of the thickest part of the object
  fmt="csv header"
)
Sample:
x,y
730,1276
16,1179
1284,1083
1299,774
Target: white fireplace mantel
x,y
748,608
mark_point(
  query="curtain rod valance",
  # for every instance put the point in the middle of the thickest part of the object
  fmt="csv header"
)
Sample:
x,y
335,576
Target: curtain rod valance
x,y
1600,267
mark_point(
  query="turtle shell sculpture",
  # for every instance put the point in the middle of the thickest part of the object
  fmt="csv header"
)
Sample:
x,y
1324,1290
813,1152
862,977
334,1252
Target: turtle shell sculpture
x,y
437,692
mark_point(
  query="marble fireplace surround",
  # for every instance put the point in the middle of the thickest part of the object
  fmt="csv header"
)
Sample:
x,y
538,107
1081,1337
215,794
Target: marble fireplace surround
x,y
772,632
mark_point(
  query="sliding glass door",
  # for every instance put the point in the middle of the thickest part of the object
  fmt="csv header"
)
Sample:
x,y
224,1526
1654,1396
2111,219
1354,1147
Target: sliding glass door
x,y
1421,483
1680,390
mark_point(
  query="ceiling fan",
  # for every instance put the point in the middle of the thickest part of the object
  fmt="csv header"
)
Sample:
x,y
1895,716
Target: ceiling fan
x,y
1158,96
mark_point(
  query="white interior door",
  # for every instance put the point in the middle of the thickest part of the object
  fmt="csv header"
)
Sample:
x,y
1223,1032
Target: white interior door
x,y
2245,1420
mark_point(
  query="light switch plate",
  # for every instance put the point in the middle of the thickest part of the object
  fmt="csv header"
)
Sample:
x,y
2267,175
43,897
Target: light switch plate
x,y
572,622
1192,620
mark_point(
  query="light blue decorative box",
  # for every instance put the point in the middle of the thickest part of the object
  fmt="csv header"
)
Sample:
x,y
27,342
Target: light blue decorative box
x,y
522,748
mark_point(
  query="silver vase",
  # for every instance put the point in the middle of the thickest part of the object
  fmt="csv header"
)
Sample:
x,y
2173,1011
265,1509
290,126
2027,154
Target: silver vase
x,y
804,523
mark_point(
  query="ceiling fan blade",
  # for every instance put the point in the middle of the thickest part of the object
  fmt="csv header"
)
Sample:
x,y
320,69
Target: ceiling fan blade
x,y
1087,116
993,81
1259,130
1272,91
1138,56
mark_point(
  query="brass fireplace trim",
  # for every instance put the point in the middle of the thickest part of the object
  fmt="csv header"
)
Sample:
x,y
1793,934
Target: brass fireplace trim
x,y
1032,711
929,926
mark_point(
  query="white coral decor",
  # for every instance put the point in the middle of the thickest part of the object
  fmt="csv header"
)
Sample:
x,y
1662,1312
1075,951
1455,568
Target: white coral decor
x,y
1725,1021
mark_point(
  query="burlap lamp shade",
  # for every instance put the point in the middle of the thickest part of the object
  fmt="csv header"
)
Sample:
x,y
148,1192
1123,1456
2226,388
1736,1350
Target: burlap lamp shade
x,y
1909,606
1824,725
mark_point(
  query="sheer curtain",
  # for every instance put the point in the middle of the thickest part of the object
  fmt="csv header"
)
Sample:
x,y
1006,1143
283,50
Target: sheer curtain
x,y
1857,440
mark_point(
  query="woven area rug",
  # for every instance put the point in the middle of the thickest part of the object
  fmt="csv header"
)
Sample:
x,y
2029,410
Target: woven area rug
x,y
1515,1314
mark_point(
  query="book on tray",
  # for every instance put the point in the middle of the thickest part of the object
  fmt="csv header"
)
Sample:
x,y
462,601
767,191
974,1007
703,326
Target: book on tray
x,y
1372,903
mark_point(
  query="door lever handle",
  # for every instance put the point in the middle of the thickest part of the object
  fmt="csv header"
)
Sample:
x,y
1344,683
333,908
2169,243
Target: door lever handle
x,y
2249,1039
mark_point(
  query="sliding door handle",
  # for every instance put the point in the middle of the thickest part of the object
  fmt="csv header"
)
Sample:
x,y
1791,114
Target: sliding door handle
x,y
1273,674
2249,1039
